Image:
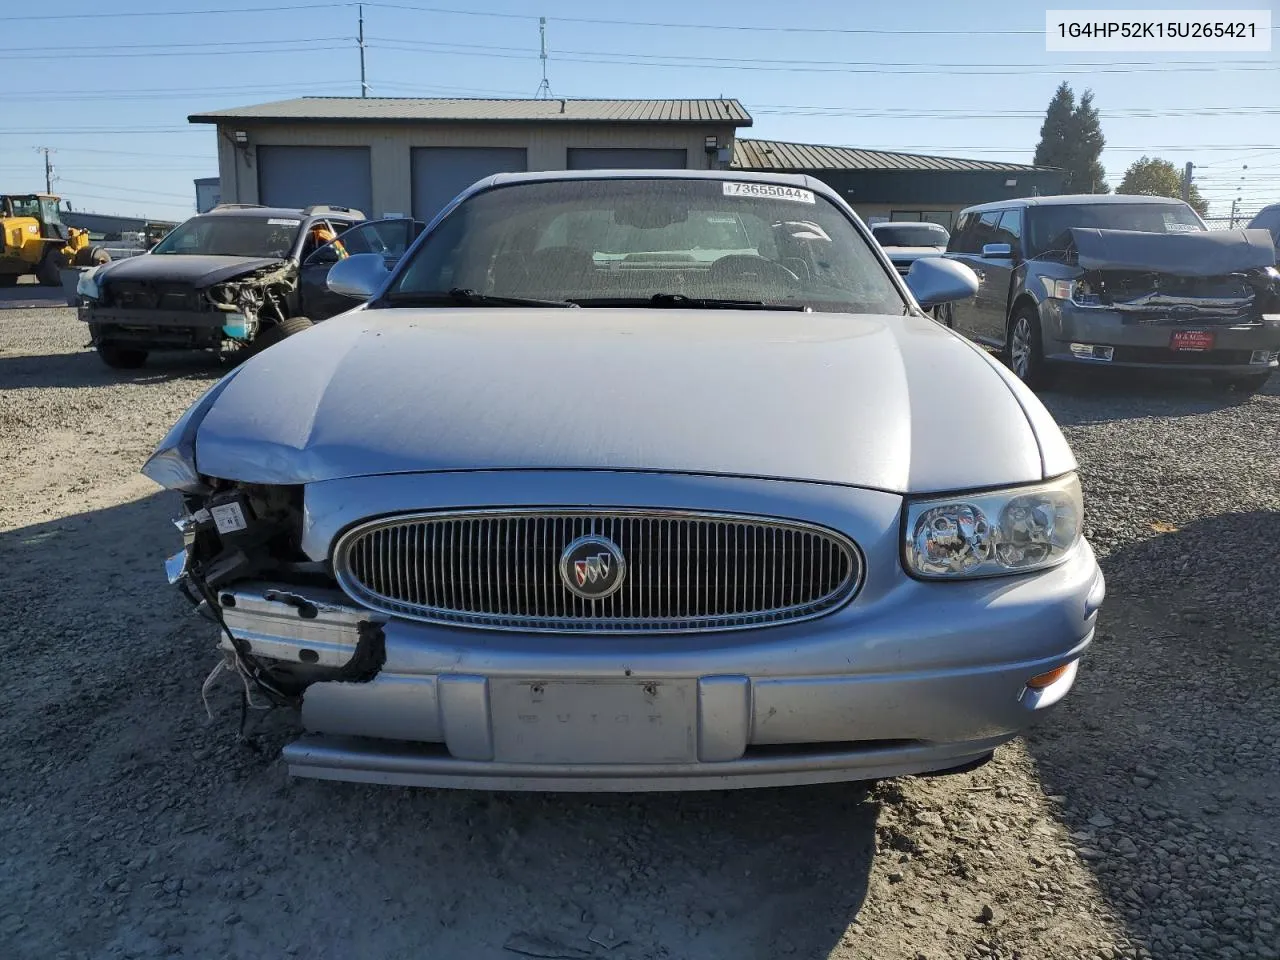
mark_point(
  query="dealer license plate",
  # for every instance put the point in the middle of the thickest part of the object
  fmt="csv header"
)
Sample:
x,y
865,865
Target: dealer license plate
x,y
593,721
1191,341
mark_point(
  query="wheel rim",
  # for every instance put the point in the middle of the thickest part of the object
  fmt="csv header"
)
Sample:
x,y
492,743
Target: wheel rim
x,y
1020,347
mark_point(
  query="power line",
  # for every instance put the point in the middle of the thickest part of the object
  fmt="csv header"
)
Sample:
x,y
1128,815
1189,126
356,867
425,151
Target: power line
x,y
803,61
128,190
206,43
168,13
174,53
756,65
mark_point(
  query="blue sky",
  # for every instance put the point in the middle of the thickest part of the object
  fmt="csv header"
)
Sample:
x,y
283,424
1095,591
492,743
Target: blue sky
x,y
110,91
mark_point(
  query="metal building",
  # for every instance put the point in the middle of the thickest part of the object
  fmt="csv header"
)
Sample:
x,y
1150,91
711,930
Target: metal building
x,y
398,156
401,156
901,186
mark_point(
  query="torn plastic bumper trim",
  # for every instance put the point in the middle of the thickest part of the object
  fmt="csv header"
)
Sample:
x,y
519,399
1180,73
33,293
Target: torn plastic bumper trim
x,y
296,625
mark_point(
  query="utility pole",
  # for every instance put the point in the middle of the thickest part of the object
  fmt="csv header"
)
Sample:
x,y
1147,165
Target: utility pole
x,y
48,169
364,87
1233,212
544,88
1186,182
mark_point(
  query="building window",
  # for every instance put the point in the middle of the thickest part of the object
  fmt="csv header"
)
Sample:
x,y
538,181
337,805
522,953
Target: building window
x,y
942,217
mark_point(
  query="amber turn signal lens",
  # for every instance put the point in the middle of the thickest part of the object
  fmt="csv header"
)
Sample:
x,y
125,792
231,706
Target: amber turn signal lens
x,y
1040,681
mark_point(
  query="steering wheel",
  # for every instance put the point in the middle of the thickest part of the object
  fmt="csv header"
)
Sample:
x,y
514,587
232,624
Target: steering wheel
x,y
752,269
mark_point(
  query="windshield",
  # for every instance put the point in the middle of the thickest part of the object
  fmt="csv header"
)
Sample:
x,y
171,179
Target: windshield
x,y
229,236
1049,225
614,240
910,235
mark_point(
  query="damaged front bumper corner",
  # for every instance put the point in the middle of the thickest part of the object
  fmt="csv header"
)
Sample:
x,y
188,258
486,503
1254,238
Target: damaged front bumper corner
x,y
304,626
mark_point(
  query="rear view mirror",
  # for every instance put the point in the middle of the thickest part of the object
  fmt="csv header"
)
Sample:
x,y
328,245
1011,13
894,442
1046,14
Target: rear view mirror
x,y
934,281
359,276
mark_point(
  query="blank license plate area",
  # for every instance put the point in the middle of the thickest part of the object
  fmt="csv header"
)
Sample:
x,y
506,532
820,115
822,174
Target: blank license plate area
x,y
1192,340
599,721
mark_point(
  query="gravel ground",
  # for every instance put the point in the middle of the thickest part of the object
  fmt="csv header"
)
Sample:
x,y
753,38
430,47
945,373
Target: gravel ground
x,y
1140,822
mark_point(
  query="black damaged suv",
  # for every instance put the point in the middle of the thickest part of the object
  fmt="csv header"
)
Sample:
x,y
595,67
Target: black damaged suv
x,y
240,275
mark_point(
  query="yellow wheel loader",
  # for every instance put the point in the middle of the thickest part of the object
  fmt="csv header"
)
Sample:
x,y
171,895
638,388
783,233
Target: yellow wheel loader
x,y
33,239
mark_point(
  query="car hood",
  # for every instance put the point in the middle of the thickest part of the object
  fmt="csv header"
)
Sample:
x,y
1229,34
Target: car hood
x,y
1202,253
202,271
894,403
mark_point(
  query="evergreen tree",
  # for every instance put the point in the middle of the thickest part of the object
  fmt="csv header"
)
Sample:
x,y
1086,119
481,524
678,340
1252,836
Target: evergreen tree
x,y
1053,149
1089,177
1071,139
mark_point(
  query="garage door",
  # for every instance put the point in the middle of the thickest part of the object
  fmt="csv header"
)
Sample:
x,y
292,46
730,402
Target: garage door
x,y
441,173
592,158
302,176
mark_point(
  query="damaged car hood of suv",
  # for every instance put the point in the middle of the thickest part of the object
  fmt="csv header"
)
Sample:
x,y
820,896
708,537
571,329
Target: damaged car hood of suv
x,y
864,400
1208,253
195,269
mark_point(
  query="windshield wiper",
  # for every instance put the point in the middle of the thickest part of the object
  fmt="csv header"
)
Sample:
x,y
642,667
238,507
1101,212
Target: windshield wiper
x,y
679,300
462,297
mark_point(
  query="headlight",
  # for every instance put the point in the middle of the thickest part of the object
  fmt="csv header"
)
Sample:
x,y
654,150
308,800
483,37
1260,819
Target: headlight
x,y
1077,291
87,285
993,533
173,464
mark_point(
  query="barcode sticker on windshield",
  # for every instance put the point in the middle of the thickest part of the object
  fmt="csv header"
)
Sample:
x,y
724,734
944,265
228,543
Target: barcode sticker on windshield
x,y
768,191
274,222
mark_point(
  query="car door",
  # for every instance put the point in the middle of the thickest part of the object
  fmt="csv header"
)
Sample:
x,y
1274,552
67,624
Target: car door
x,y
390,238
966,247
995,274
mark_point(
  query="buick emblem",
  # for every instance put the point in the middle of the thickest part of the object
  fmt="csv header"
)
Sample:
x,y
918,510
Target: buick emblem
x,y
592,567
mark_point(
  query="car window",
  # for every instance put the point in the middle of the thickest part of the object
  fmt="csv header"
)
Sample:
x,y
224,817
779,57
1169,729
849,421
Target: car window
x,y
1009,230
962,239
1048,227
617,239
986,230
910,234
387,238
225,235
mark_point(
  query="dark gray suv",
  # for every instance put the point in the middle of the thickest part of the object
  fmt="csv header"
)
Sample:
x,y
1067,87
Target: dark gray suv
x,y
1118,281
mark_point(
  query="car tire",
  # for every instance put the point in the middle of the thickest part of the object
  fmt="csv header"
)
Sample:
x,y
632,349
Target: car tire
x,y
279,331
1024,349
49,272
1247,385
119,357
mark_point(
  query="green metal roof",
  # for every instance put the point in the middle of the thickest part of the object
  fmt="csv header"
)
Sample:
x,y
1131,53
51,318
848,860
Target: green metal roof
x,y
463,110
779,155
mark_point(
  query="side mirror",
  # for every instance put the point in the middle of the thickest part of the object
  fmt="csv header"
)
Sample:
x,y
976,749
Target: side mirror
x,y
359,276
934,281
997,251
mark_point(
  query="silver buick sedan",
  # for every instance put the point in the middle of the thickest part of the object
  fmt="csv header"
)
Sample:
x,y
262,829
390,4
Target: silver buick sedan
x,y
636,480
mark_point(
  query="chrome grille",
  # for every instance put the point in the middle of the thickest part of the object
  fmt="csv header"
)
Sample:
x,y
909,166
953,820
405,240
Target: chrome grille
x,y
501,569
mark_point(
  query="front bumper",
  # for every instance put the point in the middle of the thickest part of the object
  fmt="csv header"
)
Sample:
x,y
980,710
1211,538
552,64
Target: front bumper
x,y
934,678
1146,343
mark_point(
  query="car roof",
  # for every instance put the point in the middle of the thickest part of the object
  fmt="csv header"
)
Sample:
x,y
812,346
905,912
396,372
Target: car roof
x,y
292,213
908,223
1071,199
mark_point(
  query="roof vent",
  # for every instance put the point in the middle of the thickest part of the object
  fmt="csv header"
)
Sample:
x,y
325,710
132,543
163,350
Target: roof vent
x,y
562,103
